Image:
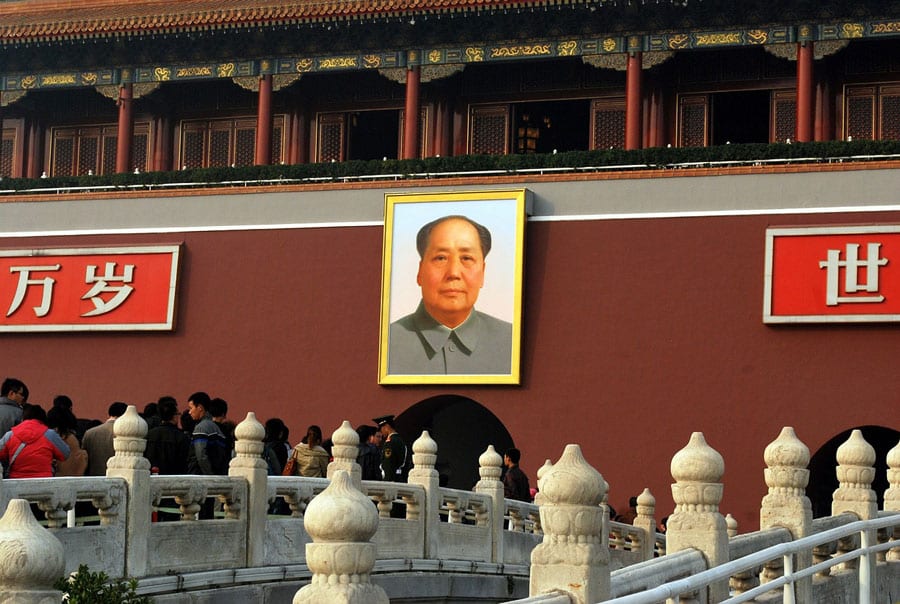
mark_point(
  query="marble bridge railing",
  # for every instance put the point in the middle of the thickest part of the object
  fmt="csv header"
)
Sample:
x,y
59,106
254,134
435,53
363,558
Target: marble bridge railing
x,y
335,538
110,523
851,556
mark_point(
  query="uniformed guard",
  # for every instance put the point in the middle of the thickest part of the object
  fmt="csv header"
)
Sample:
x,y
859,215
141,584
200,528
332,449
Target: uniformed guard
x,y
394,452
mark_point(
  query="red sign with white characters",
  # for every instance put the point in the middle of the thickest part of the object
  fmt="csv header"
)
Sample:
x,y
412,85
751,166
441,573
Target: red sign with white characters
x,y
89,289
832,274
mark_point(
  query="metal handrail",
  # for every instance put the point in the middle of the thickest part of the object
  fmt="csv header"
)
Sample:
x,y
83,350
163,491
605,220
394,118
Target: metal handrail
x,y
865,528
441,175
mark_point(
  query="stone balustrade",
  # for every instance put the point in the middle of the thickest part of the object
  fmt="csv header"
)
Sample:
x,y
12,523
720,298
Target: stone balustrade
x,y
567,543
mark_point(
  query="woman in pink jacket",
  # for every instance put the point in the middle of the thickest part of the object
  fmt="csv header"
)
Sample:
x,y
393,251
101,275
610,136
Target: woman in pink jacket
x,y
28,450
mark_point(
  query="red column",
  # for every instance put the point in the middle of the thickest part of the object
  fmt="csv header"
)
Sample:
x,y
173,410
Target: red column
x,y
824,105
459,128
166,162
34,160
654,136
264,122
411,115
300,153
1,138
444,145
162,144
805,89
125,132
633,102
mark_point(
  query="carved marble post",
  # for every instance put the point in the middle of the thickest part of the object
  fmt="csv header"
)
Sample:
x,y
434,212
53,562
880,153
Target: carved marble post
x,y
696,522
345,450
489,468
731,525
892,493
786,504
129,463
573,557
542,471
341,522
249,465
424,474
646,520
855,473
31,558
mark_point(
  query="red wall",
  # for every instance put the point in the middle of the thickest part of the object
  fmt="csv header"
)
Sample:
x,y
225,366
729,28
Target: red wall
x,y
637,332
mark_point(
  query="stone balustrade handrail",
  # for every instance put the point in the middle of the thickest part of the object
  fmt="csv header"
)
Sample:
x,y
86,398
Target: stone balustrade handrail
x,y
296,493
55,496
743,545
653,573
275,528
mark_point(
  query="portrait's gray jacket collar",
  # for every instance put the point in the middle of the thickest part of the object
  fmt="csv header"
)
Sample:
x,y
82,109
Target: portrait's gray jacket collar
x,y
436,334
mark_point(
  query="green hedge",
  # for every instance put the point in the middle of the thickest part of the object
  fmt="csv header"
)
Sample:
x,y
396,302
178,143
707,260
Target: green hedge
x,y
657,157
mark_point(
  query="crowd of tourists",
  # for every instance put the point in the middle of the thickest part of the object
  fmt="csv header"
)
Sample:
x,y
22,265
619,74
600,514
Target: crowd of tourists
x,y
40,443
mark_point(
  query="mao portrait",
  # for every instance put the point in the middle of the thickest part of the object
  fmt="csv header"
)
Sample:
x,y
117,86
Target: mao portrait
x,y
451,288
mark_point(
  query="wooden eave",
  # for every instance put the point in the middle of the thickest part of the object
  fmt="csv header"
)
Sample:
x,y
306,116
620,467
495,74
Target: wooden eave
x,y
27,21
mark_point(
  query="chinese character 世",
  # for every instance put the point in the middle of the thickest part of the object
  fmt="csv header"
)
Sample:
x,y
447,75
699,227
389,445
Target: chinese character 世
x,y
851,266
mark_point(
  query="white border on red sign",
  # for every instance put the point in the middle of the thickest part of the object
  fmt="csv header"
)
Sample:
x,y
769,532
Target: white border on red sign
x,y
168,325
773,232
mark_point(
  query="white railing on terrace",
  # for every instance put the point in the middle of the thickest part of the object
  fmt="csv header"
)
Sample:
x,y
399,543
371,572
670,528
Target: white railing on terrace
x,y
865,554
851,556
263,182
564,543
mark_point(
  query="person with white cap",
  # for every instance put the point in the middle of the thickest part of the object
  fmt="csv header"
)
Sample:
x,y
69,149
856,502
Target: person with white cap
x,y
394,452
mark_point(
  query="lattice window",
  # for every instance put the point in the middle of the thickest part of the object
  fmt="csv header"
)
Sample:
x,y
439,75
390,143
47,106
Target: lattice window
x,y
245,146
7,144
225,142
860,113
219,147
277,144
489,130
88,152
63,155
140,151
78,151
890,113
784,116
109,154
608,124
693,121
192,149
331,136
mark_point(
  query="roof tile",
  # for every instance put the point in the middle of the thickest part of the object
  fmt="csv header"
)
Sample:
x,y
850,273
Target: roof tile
x,y
23,20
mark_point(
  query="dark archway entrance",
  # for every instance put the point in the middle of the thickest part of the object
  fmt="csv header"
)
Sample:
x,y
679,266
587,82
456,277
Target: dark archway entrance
x,y
823,477
462,428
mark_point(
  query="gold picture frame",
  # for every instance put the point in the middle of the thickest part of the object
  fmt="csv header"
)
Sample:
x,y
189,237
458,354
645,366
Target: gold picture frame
x,y
450,313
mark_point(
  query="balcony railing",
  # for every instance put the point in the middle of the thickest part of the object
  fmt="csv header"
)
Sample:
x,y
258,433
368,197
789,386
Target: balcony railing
x,y
467,166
